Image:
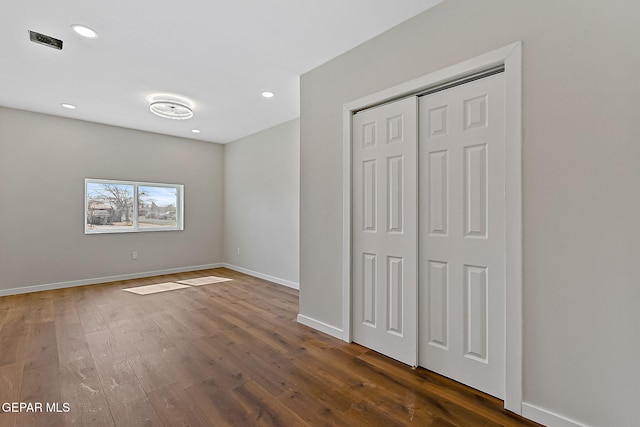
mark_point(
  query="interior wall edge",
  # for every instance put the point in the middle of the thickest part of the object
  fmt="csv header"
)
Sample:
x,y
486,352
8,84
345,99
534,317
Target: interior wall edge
x,y
259,275
320,326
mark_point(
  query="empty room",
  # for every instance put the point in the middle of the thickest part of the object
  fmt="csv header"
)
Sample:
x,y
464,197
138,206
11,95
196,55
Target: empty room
x,y
303,213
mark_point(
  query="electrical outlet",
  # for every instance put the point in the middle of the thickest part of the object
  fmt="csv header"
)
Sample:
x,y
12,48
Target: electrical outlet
x,y
134,255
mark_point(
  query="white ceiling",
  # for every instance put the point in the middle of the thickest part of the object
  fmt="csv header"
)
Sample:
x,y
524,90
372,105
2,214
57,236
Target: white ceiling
x,y
218,55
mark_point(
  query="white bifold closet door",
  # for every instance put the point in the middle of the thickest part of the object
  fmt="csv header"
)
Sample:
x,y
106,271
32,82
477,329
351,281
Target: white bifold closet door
x,y
462,234
384,224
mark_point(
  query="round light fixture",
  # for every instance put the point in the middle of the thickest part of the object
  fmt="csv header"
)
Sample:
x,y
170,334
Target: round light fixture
x,y
171,109
268,94
84,31
68,106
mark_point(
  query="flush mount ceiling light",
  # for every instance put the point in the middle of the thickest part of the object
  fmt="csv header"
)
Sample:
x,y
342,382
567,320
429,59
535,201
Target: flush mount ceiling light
x,y
84,31
195,130
171,109
268,94
68,106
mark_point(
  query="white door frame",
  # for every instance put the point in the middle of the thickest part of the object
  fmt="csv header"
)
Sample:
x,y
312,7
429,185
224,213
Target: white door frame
x,y
511,57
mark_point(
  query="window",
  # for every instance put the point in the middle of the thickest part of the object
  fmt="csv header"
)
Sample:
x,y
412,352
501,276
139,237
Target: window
x,y
125,206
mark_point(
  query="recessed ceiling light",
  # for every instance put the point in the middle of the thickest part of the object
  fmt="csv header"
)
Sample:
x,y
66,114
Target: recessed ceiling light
x,y
84,31
195,130
268,94
69,106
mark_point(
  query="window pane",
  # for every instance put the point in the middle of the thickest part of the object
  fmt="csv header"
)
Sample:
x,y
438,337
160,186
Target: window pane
x,y
157,206
109,207
126,206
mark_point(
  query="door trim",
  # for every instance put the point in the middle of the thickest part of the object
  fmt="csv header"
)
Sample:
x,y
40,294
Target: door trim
x,y
511,57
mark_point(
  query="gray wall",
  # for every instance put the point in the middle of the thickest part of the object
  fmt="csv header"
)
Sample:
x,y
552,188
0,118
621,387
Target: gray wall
x,y
581,177
43,163
261,215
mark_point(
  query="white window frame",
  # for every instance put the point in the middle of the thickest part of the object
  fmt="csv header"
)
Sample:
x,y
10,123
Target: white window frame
x,y
135,228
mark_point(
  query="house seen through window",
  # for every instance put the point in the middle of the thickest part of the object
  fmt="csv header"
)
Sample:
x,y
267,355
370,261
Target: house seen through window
x,y
125,206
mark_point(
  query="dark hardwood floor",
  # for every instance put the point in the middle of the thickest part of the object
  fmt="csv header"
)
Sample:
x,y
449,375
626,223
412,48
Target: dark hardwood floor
x,y
229,353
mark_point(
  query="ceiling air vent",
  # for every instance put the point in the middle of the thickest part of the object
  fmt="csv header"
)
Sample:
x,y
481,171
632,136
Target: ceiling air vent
x,y
45,40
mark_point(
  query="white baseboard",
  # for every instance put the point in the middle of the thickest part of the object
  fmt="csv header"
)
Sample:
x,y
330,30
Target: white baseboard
x,y
97,280
547,418
273,279
320,326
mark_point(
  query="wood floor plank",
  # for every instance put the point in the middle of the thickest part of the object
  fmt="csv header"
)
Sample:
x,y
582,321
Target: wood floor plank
x,y
137,412
83,391
269,372
65,312
41,385
311,399
229,336
152,370
89,315
176,408
10,384
217,405
71,341
124,393
225,373
104,346
13,343
263,408
229,353
4,312
42,308
41,346
198,323
120,318
112,373
169,324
